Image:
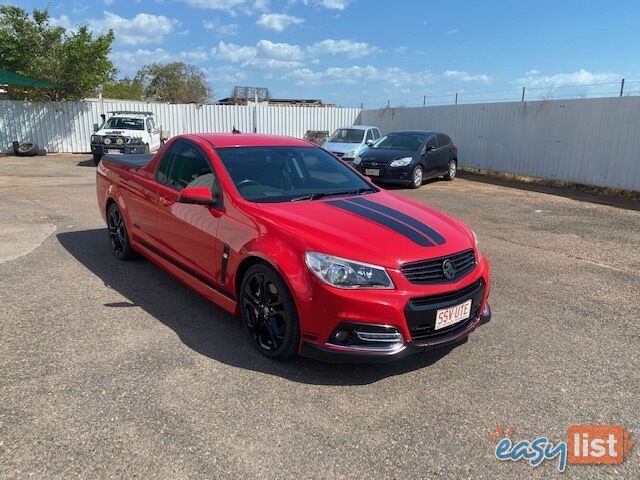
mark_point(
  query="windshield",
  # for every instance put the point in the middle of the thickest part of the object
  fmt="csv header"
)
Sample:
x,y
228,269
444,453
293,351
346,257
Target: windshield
x,y
347,135
283,174
124,123
401,141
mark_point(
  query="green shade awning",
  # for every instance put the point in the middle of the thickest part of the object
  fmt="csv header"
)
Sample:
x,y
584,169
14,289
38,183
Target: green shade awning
x,y
17,80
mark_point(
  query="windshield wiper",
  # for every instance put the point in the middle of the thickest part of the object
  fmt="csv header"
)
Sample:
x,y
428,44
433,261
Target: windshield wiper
x,y
317,195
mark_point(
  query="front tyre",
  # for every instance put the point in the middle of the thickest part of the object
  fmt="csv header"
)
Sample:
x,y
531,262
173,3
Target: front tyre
x,y
118,234
417,177
269,312
451,171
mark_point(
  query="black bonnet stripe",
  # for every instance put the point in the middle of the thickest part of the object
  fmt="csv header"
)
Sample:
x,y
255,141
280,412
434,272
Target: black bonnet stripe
x,y
394,225
427,230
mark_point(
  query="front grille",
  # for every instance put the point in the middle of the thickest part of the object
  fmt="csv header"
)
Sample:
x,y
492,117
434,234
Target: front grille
x,y
432,271
337,154
421,312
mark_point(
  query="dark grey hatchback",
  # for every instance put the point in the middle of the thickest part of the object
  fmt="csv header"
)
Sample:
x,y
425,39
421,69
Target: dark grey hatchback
x,y
409,158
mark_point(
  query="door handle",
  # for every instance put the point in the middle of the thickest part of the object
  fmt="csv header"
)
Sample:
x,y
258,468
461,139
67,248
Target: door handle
x,y
165,201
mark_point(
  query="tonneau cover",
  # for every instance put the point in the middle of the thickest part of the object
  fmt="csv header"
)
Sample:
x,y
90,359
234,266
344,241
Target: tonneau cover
x,y
136,160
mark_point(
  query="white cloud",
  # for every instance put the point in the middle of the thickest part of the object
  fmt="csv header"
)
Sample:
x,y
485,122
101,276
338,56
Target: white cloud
x,y
230,6
278,22
108,2
195,56
267,54
279,51
349,48
339,5
466,77
394,76
129,62
226,74
582,77
142,29
333,4
453,31
234,53
221,29
61,21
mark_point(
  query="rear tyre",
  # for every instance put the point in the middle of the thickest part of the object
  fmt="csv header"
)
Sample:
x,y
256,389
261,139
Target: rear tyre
x,y
96,159
118,234
452,171
417,177
269,312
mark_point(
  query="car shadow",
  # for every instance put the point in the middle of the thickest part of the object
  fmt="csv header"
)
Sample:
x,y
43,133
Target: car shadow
x,y
87,163
209,330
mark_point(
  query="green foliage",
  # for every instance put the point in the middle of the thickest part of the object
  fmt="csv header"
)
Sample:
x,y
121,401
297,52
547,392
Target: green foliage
x,y
174,82
124,89
31,46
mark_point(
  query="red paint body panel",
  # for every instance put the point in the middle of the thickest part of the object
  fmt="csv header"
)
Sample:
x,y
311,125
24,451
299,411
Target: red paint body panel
x,y
187,240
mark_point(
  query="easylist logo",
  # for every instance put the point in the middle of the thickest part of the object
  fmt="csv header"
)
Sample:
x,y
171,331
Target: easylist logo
x,y
585,445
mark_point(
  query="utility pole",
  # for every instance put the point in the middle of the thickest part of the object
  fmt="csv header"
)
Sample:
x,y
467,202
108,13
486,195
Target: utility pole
x,y
388,104
424,101
622,87
255,111
523,94
456,98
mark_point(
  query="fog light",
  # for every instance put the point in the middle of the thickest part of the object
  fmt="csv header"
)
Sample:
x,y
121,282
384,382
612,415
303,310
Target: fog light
x,y
341,335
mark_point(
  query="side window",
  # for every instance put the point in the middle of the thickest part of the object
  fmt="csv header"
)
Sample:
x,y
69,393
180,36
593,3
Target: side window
x,y
190,168
376,134
369,135
150,125
431,143
162,172
443,140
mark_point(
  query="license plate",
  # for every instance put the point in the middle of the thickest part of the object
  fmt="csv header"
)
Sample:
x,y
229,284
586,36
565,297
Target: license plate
x,y
451,315
113,150
372,171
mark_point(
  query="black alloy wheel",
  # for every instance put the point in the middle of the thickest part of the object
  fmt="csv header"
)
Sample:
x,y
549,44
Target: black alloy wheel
x,y
269,313
118,234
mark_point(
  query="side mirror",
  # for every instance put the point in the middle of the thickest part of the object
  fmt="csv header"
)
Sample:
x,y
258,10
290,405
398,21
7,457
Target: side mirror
x,y
96,127
429,148
370,142
198,196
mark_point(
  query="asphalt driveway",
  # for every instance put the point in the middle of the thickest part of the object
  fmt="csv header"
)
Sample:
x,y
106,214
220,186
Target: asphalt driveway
x,y
114,369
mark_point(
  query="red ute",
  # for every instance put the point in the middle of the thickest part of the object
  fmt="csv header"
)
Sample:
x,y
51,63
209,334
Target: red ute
x,y
315,258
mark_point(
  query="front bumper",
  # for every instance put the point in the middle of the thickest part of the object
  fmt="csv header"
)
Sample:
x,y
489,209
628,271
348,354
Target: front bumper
x,y
409,310
126,149
329,354
387,174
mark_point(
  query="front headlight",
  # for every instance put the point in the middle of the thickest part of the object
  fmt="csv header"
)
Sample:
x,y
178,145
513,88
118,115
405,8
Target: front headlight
x,y
343,273
96,138
402,162
475,237
357,160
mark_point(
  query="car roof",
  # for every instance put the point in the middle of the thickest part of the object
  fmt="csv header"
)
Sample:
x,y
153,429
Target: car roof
x,y
251,140
426,132
357,127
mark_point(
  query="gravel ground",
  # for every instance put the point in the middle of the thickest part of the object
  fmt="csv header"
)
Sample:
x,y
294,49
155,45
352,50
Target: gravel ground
x,y
113,369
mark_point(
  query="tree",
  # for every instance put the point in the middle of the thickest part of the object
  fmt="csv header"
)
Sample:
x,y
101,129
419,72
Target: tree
x,y
175,82
32,46
125,89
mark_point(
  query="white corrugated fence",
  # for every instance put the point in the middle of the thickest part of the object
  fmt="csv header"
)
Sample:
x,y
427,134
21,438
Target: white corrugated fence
x,y
67,126
592,141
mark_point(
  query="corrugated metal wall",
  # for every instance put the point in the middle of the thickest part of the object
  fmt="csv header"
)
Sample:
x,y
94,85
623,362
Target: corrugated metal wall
x,y
589,141
67,126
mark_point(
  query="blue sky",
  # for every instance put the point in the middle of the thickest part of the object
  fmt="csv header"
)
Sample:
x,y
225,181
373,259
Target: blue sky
x,y
355,51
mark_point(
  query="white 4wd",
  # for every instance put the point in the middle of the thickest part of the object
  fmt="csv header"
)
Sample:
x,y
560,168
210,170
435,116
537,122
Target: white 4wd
x,y
125,132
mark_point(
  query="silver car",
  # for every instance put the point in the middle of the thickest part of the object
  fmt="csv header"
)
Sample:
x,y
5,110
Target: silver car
x,y
347,142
